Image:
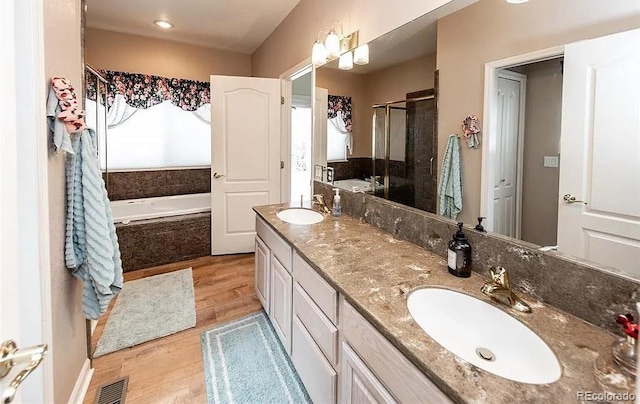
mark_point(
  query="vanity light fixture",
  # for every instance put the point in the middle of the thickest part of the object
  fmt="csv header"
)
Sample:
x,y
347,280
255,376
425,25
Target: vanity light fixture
x,y
163,24
361,55
336,44
346,61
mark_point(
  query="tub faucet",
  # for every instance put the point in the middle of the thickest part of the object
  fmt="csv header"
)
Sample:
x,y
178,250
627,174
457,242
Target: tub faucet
x,y
319,200
498,289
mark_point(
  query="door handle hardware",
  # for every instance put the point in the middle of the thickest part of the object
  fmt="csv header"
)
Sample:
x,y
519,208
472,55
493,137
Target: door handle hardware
x,y
217,176
568,198
431,166
10,356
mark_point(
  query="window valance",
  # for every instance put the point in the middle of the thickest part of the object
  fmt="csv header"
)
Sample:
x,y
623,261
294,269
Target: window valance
x,y
143,91
342,104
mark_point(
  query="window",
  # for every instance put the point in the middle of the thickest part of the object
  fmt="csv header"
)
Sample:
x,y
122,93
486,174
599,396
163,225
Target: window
x,y
161,136
336,143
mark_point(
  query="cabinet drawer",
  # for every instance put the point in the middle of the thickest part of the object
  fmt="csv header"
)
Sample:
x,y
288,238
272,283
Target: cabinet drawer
x,y
324,333
403,380
318,376
317,288
275,243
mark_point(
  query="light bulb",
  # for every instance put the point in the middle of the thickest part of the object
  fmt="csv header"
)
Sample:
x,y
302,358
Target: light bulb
x,y
318,54
346,61
361,55
332,43
163,24
517,1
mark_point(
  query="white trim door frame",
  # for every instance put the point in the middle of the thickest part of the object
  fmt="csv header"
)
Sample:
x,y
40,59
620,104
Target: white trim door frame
x,y
25,280
286,79
490,123
522,79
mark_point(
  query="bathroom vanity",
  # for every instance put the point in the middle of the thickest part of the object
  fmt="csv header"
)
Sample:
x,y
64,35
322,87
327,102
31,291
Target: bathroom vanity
x,y
336,293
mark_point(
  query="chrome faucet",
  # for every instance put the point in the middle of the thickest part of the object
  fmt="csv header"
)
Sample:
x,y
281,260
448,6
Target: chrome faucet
x,y
498,289
319,200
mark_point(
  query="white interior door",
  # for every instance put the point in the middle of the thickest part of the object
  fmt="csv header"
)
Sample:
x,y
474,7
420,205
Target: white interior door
x,y
245,158
320,128
23,228
505,181
600,149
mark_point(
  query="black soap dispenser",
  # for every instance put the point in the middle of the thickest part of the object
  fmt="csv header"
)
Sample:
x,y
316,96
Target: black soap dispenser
x,y
459,254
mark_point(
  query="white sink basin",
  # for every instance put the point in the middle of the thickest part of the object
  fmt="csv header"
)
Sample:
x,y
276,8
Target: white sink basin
x,y
484,335
300,216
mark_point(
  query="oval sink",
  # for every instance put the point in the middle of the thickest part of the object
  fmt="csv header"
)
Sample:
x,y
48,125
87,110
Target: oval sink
x,y
484,335
300,216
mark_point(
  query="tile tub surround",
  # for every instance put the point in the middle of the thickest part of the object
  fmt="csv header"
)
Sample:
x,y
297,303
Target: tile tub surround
x,y
153,242
375,272
151,183
565,282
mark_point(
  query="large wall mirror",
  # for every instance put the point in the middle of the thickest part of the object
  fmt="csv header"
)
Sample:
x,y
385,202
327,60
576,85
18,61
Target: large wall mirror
x,y
555,88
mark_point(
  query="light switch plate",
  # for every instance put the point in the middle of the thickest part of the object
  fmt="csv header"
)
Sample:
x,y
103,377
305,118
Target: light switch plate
x,y
551,161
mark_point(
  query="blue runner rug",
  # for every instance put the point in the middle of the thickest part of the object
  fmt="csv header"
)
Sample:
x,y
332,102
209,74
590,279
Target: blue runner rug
x,y
244,362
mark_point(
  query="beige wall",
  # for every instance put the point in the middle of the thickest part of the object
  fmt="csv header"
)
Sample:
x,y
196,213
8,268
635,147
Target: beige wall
x,y
138,54
392,83
493,29
291,42
69,345
543,113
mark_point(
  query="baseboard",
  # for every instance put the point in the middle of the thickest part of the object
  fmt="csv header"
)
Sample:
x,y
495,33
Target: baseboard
x,y
82,383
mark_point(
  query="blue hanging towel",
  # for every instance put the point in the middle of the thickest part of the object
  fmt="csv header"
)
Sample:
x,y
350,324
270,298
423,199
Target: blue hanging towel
x,y
450,187
91,246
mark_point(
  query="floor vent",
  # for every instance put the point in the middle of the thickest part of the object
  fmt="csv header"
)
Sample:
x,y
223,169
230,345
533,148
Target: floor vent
x,y
112,392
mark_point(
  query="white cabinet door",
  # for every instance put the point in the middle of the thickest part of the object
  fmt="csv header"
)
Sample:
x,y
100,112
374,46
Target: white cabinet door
x,y
319,378
262,276
359,384
280,306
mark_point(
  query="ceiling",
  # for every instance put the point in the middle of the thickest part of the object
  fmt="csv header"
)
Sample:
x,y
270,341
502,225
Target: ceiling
x,y
234,25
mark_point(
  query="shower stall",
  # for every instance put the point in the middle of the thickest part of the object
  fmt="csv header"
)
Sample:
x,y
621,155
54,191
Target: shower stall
x,y
404,150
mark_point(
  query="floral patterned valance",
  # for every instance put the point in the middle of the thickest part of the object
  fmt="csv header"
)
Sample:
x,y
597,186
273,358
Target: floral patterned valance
x,y
343,104
143,91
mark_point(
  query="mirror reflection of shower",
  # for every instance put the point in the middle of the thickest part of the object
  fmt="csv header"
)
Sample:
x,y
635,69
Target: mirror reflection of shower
x,y
404,144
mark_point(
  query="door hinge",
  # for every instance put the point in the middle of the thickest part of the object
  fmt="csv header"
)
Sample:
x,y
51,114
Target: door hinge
x,y
282,100
281,164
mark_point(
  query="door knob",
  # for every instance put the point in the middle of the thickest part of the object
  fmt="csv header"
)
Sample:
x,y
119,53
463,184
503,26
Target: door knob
x,y
568,198
217,176
10,356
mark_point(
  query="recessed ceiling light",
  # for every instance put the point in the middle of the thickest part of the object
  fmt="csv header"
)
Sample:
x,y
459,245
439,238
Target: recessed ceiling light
x,y
517,1
163,24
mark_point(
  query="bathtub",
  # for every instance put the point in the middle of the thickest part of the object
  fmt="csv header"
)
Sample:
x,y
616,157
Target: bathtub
x,y
353,185
150,208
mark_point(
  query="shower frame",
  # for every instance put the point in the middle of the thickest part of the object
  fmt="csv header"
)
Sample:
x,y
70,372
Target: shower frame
x,y
100,78
388,106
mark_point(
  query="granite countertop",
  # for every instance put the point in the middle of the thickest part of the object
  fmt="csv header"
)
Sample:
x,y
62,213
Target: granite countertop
x,y
375,272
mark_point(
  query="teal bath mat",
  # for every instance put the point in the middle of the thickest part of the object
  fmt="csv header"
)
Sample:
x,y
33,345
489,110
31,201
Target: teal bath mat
x,y
244,362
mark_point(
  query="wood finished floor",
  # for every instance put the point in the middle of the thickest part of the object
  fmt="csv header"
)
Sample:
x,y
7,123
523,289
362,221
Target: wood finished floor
x,y
170,369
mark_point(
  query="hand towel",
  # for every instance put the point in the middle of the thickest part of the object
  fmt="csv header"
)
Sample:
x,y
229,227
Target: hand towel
x,y
91,246
450,187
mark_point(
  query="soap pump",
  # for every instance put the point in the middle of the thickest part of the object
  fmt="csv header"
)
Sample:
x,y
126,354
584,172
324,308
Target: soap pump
x,y
459,254
337,204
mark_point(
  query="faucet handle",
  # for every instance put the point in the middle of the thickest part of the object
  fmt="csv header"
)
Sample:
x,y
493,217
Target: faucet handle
x,y
500,276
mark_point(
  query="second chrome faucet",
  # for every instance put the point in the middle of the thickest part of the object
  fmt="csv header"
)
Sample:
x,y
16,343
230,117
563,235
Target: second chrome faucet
x,y
498,289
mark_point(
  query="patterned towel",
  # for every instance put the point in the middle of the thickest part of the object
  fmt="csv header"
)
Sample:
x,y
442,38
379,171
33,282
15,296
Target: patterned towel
x,y
450,187
91,246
